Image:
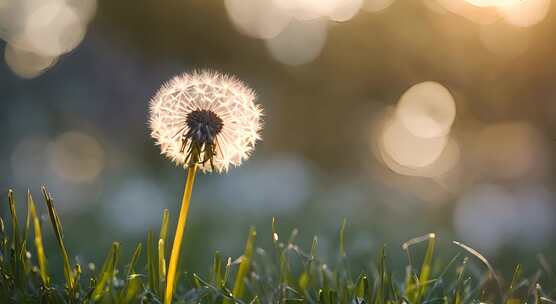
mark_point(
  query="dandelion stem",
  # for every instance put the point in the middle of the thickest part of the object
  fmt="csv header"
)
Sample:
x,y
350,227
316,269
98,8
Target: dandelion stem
x,y
176,247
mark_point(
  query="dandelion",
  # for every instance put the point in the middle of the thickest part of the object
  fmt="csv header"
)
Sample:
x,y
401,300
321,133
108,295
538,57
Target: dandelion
x,y
203,120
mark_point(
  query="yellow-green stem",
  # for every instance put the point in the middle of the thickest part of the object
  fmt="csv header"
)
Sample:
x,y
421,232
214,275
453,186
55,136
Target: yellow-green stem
x,y
176,247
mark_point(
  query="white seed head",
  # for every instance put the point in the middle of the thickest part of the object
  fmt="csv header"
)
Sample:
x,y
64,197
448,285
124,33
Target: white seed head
x,y
206,114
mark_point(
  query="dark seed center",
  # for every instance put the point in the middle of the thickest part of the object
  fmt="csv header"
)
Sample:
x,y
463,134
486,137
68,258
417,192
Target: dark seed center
x,y
203,125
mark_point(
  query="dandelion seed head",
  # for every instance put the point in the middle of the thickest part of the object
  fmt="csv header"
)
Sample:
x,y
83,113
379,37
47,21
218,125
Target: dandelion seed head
x,y
207,118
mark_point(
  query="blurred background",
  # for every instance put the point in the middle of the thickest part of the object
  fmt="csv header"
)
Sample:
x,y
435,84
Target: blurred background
x,y
404,117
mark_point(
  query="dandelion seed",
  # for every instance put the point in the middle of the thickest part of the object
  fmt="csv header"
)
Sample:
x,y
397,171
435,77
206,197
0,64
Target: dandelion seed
x,y
205,118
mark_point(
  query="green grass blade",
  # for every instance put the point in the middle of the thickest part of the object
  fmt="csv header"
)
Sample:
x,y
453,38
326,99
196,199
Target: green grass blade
x,y
458,292
152,267
393,290
197,283
293,236
537,294
161,249
161,264
323,299
70,283
416,286
381,292
107,272
133,282
134,259
2,227
22,252
314,245
227,272
284,268
133,289
486,262
333,296
425,273
217,270
41,257
13,213
303,281
17,264
164,225
368,290
513,286
76,276
326,289
275,236
239,284
3,237
515,278
14,246
342,239
361,287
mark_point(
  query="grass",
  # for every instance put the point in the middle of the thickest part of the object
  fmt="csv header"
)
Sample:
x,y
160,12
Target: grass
x,y
285,273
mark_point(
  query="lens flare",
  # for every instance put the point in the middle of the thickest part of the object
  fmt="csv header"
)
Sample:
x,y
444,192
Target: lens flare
x,y
526,13
473,13
38,31
51,30
301,42
345,10
257,18
375,6
27,64
427,110
76,157
504,40
442,165
493,3
409,150
307,9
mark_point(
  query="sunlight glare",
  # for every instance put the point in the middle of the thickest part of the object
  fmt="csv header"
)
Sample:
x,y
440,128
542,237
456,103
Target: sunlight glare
x,y
26,64
307,9
493,3
442,165
476,14
409,150
504,40
257,18
427,109
301,42
51,30
41,30
345,10
526,13
375,6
